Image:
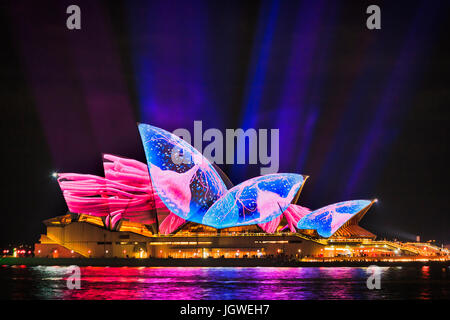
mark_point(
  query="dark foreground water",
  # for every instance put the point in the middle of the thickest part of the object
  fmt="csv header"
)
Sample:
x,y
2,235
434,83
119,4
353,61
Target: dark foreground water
x,y
20,282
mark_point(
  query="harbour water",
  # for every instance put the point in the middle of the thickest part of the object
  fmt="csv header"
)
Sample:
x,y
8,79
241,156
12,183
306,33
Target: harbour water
x,y
195,283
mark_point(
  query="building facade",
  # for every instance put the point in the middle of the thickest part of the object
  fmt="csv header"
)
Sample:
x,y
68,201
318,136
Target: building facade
x,y
71,237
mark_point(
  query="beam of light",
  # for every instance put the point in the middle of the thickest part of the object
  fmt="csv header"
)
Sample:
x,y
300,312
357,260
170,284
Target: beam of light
x,y
352,114
46,63
292,113
306,138
377,139
333,128
99,74
257,72
169,49
77,83
307,124
273,103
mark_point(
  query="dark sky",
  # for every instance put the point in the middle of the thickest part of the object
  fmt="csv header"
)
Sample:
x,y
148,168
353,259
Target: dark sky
x,y
44,90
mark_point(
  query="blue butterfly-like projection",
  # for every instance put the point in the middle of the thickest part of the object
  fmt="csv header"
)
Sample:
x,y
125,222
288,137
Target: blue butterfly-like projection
x,y
192,188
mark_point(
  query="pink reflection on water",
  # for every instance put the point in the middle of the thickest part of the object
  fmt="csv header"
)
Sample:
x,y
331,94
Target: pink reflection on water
x,y
216,283
204,283
131,283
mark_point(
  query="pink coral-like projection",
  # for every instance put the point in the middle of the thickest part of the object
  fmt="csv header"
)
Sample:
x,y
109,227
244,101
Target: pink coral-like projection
x,y
125,193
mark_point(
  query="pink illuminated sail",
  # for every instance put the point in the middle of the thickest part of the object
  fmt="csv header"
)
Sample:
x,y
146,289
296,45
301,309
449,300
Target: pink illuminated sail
x,y
125,193
292,214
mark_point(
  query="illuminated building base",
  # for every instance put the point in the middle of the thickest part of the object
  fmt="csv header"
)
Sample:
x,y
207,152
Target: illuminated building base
x,y
75,236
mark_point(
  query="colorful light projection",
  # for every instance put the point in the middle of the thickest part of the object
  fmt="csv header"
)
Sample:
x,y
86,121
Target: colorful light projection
x,y
125,193
195,191
130,179
176,191
329,219
189,188
257,200
271,97
293,214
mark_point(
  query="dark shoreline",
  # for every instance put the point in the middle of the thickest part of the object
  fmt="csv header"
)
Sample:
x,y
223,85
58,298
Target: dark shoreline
x,y
242,262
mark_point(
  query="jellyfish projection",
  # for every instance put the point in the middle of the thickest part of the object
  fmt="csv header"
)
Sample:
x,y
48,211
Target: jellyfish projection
x,y
189,186
255,201
179,185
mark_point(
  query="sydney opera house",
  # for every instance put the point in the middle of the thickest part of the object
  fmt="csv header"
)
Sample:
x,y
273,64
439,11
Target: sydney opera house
x,y
180,205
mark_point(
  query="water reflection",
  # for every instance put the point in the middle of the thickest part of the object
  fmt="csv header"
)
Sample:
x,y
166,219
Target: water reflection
x,y
222,283
425,272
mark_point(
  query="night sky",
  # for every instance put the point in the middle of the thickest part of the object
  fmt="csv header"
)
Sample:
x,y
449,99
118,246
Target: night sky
x,y
363,112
